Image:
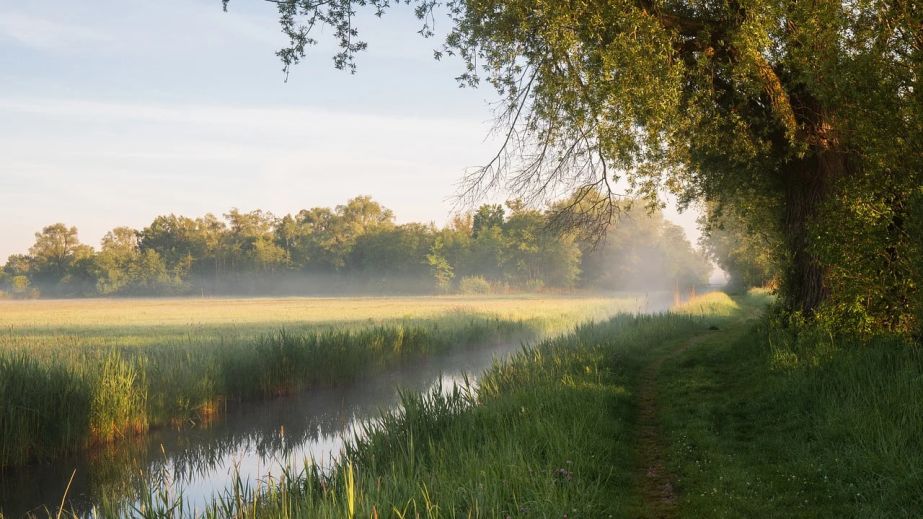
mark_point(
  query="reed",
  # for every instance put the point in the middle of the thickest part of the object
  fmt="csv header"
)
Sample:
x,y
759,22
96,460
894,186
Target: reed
x,y
68,382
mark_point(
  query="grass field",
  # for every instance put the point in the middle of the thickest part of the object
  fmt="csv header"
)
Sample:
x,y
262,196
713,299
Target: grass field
x,y
52,324
78,372
709,411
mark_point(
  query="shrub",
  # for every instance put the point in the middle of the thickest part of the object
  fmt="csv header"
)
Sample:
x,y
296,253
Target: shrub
x,y
474,285
535,285
21,288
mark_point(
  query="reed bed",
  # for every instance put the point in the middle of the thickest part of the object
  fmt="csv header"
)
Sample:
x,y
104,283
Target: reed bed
x,y
72,379
546,434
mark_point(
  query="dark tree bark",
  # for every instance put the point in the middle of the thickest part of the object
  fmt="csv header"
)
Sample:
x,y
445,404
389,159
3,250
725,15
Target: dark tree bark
x,y
807,186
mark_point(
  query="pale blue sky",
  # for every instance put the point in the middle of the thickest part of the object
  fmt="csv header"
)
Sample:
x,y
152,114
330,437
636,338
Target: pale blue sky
x,y
115,111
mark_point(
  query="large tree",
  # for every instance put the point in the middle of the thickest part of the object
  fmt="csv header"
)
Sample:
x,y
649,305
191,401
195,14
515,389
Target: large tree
x,y
815,106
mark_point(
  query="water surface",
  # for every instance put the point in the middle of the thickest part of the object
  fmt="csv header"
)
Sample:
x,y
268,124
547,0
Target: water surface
x,y
255,440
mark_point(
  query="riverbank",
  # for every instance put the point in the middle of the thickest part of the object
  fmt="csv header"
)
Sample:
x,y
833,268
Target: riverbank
x,y
80,374
703,412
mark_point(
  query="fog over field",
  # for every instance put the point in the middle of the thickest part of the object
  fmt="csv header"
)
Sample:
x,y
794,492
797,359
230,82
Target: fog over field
x,y
437,259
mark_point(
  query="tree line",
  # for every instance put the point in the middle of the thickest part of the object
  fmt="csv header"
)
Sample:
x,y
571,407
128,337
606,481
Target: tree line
x,y
355,247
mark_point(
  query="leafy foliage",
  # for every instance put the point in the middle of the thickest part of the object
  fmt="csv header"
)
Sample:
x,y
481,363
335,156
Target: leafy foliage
x,y
811,109
355,247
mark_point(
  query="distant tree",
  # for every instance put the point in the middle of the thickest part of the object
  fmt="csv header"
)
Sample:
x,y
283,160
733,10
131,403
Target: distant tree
x,y
440,268
315,242
394,251
487,216
117,260
358,216
684,265
54,250
535,252
747,252
288,235
212,232
362,214
358,241
250,244
18,265
16,277
641,250
151,275
59,262
485,255
474,285
178,241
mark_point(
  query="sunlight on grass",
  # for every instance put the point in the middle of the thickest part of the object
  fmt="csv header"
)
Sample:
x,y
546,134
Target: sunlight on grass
x,y
68,379
714,304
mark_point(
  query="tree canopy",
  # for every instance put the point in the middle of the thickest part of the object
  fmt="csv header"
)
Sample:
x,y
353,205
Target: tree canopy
x,y
811,109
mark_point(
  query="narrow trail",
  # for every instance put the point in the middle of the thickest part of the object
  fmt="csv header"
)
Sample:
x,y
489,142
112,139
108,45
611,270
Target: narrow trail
x,y
658,485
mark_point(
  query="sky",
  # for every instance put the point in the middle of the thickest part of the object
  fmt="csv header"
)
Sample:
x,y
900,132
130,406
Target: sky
x,y
115,111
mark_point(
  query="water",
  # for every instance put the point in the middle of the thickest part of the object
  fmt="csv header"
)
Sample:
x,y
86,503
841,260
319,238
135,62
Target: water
x,y
252,441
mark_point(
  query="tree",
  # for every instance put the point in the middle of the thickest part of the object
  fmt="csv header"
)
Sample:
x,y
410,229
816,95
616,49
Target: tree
x,y
18,265
58,259
487,216
484,255
176,239
441,269
682,264
250,243
21,287
356,243
535,254
814,105
313,240
398,251
15,276
746,252
151,275
117,259
341,230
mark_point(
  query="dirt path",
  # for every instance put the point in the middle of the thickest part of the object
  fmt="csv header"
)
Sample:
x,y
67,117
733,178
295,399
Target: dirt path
x,y
658,485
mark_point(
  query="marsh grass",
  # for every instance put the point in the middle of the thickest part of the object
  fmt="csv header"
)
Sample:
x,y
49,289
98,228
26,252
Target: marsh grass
x,y
68,382
549,433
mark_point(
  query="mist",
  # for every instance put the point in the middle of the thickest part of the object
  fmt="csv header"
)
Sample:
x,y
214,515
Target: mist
x,y
357,248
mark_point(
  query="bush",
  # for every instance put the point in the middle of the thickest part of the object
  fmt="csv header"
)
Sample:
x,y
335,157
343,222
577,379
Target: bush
x,y
21,288
535,285
474,285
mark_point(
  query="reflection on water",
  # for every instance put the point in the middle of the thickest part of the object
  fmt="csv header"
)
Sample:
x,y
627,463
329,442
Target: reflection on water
x,y
253,441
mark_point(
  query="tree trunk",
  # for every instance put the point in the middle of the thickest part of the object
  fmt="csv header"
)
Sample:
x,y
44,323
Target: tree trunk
x,y
807,186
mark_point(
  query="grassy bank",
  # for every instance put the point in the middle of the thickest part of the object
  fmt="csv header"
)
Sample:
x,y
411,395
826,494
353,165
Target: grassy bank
x,y
548,434
754,422
75,373
764,422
